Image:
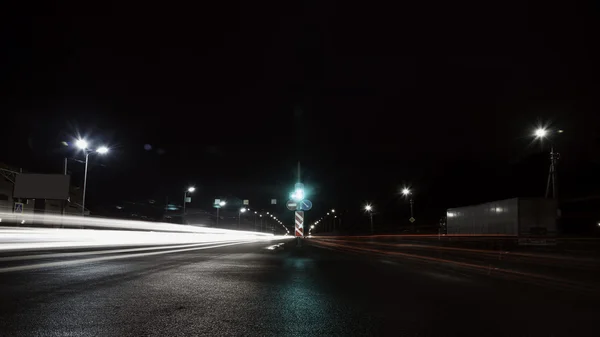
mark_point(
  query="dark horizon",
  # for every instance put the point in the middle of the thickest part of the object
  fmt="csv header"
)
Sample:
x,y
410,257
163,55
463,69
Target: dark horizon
x,y
230,104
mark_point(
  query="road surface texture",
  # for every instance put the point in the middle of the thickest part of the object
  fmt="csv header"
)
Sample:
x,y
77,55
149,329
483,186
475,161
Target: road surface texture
x,y
250,290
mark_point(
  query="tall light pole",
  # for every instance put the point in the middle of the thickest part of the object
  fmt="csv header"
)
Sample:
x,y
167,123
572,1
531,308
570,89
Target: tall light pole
x,y
83,144
221,204
261,223
541,134
242,210
333,219
190,190
408,194
369,209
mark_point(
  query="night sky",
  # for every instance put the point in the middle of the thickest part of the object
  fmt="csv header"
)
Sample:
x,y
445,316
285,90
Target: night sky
x,y
443,97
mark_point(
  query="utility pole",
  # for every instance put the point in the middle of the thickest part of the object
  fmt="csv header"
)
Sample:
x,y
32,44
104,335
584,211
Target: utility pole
x,y
552,174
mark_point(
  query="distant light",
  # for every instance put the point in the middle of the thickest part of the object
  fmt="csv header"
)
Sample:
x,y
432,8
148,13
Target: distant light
x,y
598,223
191,189
242,210
541,132
22,222
102,150
0,219
312,227
451,214
82,144
254,212
561,131
222,203
298,195
368,208
332,210
406,191
327,213
267,213
260,215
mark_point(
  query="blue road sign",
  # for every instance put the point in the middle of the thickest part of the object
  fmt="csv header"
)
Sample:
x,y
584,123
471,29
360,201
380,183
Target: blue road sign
x,y
305,205
18,207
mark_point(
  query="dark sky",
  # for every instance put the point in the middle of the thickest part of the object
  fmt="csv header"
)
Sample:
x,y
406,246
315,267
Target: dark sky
x,y
442,96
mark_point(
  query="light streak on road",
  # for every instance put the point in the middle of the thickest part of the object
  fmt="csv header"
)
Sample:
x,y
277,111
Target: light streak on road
x,y
102,223
108,258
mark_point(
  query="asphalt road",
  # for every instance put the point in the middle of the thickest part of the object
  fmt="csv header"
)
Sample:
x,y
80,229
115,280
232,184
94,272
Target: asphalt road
x,y
249,290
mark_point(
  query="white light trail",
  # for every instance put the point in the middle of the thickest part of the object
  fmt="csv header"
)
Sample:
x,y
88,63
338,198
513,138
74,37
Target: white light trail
x,y
109,233
90,222
106,258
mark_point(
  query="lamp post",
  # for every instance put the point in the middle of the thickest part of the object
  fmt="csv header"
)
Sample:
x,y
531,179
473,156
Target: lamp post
x,y
408,193
242,210
83,144
190,190
333,219
221,204
369,209
541,134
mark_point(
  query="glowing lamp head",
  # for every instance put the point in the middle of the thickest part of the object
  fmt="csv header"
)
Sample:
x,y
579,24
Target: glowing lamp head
x,y
191,189
541,133
405,191
242,210
222,203
102,150
82,144
368,208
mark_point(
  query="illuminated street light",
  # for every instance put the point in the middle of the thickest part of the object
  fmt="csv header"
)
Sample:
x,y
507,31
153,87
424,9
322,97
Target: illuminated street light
x,y
541,132
369,209
222,203
407,192
84,145
242,210
185,198
102,150
332,210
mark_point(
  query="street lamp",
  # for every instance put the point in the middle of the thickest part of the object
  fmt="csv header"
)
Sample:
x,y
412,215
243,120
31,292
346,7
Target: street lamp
x,y
369,209
221,204
84,145
190,190
408,193
242,210
541,134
